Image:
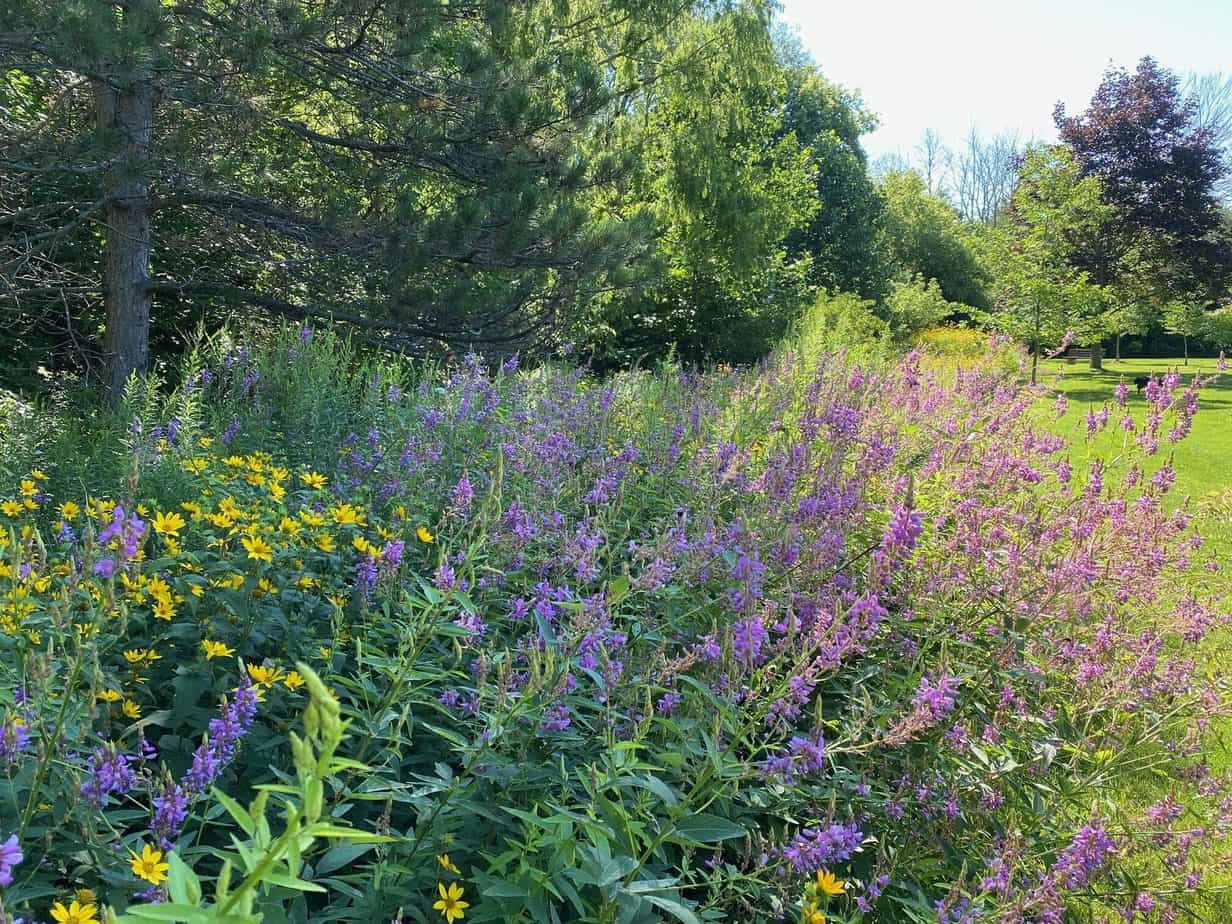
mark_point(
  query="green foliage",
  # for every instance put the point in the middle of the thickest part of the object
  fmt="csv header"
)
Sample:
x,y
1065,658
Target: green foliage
x,y
1039,294
843,238
926,238
517,709
915,306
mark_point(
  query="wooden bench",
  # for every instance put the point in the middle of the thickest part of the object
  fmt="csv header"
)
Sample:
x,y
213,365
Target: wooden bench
x,y
1073,354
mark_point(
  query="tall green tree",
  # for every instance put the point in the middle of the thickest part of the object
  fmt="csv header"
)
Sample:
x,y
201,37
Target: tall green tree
x,y
1039,294
418,169
844,237
725,186
925,238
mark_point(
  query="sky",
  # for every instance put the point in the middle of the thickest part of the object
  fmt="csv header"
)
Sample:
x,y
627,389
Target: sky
x,y
997,64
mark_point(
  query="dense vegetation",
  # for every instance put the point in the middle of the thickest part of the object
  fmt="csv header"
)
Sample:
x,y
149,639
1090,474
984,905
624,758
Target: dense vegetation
x,y
632,178
667,645
519,461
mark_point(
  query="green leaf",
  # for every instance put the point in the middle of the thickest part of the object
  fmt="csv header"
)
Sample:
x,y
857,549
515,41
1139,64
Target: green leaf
x,y
169,911
236,811
182,883
674,908
340,856
287,881
706,829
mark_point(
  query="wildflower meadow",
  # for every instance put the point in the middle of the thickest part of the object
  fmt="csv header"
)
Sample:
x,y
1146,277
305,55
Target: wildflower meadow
x,y
308,635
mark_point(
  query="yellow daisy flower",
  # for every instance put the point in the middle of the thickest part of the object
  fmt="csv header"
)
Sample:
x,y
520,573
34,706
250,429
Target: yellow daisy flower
x,y
450,903
149,866
215,649
75,913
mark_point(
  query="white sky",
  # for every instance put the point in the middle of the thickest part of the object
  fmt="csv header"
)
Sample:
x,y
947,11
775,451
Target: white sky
x,y
999,64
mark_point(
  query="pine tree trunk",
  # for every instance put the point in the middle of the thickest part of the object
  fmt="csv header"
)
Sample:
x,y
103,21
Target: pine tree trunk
x,y
125,114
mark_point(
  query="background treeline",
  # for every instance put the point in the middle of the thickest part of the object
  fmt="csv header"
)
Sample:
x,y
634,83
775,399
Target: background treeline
x,y
632,178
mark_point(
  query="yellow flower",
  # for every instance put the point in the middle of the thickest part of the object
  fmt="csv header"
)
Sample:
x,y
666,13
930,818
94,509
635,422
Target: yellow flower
x,y
110,696
37,474
311,518
168,524
10,508
85,896
163,609
149,866
324,651
69,510
293,681
812,914
196,466
830,884
205,442
258,549
220,520
313,480
424,535
325,542
75,913
193,510
264,676
215,649
446,863
364,547
131,709
289,526
28,488
450,903
347,515
141,655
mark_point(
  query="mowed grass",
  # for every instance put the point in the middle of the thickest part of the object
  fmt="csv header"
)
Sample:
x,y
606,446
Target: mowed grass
x,y
1203,460
1203,464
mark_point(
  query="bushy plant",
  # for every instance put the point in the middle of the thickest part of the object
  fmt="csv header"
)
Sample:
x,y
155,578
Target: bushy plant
x,y
832,638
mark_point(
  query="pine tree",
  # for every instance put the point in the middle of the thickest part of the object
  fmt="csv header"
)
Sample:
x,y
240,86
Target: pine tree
x,y
412,168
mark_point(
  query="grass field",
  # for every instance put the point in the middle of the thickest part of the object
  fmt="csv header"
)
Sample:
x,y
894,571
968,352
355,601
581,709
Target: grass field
x,y
1203,461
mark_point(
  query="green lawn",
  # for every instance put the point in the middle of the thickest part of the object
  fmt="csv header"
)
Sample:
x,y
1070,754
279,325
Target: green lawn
x,y
1203,463
1203,460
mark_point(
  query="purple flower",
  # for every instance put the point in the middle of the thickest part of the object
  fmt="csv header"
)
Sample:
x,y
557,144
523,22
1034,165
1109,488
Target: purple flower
x,y
462,495
10,856
555,718
209,759
110,774
13,738
1090,849
817,848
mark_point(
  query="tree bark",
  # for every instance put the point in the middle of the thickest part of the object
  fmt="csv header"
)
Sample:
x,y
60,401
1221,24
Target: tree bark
x,y
125,112
1118,347
1097,356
